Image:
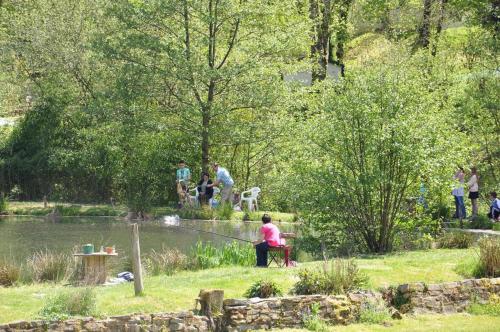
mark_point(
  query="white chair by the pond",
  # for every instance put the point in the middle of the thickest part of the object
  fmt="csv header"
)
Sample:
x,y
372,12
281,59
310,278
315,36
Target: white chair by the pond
x,y
211,201
251,199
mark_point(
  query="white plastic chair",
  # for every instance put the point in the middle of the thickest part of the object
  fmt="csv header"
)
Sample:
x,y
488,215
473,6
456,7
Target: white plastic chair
x,y
194,198
211,200
251,199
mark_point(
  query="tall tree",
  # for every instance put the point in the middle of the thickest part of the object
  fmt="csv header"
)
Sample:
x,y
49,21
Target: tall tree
x,y
320,15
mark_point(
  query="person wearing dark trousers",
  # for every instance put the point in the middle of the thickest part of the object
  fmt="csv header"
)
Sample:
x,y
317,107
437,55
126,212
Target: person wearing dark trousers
x,y
205,191
270,237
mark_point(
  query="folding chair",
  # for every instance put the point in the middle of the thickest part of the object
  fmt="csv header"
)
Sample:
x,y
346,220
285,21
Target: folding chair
x,y
281,254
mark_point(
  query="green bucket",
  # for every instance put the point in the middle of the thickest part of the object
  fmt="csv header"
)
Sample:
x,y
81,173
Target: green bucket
x,y
88,249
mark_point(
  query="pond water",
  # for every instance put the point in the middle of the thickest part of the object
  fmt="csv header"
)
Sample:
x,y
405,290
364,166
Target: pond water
x,y
20,237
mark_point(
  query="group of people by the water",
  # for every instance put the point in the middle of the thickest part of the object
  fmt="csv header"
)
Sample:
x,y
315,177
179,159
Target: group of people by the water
x,y
472,186
205,186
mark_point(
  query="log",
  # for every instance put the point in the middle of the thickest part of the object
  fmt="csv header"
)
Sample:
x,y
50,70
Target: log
x,y
136,261
211,301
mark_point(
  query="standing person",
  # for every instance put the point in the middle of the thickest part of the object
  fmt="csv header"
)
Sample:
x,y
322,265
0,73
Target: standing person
x,y
205,192
224,178
473,185
183,176
494,207
270,237
458,194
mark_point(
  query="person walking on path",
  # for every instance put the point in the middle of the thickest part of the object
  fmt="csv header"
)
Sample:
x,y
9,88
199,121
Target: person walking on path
x,y
223,176
473,185
458,194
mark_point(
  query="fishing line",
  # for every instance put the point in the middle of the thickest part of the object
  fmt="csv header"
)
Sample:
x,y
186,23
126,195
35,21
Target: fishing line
x,y
175,223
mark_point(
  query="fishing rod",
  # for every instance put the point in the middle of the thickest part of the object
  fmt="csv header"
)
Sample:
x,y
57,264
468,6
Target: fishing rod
x,y
176,224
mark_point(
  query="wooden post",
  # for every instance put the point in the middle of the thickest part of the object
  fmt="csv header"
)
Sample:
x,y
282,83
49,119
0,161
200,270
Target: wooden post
x,y
136,261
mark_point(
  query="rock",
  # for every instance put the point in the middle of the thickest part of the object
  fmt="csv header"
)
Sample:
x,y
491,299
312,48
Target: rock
x,y
395,314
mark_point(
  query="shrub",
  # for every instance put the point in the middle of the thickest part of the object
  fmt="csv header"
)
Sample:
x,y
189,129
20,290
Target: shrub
x,y
481,222
69,303
49,266
338,277
166,261
312,321
373,313
263,289
224,212
9,273
205,255
489,256
492,308
456,240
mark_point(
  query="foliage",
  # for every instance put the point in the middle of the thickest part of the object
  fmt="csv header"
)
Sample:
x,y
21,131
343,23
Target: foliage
x,y
374,313
312,321
224,212
166,261
205,255
263,289
65,304
489,256
480,222
50,266
455,240
491,308
9,273
336,277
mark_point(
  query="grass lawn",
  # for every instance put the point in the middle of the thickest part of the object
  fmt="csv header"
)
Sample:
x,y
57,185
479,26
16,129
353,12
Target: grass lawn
x,y
427,323
177,292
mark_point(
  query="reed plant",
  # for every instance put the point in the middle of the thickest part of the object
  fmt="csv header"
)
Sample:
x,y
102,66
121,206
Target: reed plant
x,y
45,266
9,273
4,204
489,257
206,255
166,261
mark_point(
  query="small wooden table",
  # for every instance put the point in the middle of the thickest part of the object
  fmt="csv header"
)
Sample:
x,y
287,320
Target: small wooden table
x,y
94,267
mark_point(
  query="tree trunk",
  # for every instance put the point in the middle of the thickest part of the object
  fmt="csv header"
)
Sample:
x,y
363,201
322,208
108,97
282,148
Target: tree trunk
x,y
439,26
205,140
425,29
319,13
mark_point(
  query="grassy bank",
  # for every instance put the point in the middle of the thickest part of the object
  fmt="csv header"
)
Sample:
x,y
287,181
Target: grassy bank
x,y
90,210
177,292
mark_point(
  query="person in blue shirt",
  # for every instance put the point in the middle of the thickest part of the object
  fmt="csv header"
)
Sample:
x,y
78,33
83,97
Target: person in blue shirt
x,y
223,177
183,176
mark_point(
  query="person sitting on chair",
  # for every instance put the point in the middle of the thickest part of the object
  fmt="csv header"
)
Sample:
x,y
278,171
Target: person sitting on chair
x,y
205,191
270,237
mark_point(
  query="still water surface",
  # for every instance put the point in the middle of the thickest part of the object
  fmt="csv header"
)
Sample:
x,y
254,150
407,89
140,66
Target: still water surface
x,y
20,237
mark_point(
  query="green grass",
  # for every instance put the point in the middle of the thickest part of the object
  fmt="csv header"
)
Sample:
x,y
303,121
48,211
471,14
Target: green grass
x,y
426,323
177,292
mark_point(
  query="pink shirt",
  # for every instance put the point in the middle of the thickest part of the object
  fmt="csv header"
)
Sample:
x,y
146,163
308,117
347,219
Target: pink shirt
x,y
271,234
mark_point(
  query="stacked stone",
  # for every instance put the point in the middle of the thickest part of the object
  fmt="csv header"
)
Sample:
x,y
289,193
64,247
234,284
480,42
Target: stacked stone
x,y
182,322
244,315
448,297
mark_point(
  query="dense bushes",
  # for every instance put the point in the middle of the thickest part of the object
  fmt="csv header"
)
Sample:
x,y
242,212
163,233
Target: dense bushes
x,y
263,289
80,302
336,277
455,240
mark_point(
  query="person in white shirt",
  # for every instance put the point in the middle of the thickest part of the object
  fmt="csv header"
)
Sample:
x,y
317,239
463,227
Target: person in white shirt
x,y
225,179
473,185
458,194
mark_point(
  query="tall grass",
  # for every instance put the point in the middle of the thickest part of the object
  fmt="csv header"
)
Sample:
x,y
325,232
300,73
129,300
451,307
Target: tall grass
x,y
166,261
4,204
489,256
455,240
206,255
9,273
48,266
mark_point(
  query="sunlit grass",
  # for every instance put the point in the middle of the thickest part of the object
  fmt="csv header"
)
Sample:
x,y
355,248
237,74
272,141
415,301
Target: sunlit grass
x,y
177,292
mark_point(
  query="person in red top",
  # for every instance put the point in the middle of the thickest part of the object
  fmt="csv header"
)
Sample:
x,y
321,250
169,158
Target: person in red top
x,y
270,237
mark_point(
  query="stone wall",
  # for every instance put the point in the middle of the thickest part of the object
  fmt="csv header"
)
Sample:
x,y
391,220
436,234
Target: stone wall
x,y
448,297
251,314
184,321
